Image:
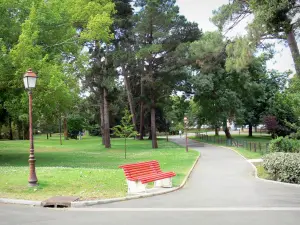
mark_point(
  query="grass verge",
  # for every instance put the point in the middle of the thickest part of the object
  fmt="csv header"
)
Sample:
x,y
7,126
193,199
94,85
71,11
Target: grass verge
x,y
82,168
261,172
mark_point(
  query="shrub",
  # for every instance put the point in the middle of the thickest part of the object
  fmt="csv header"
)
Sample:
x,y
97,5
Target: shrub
x,y
281,144
283,167
295,135
271,124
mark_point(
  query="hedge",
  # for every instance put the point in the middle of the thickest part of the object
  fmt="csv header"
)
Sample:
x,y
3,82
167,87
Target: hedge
x,y
281,144
284,167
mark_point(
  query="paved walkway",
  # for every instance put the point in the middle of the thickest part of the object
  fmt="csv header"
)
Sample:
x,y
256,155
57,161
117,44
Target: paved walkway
x,y
221,190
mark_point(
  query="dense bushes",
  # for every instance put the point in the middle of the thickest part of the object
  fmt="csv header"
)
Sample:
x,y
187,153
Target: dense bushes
x,y
283,167
281,144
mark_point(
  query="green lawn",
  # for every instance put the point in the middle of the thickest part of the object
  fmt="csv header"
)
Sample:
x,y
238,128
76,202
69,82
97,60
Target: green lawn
x,y
82,168
262,139
261,172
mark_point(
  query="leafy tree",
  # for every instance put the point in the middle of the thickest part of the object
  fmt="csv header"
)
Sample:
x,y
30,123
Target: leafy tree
x,y
272,19
46,36
258,91
160,33
216,90
271,125
281,109
125,129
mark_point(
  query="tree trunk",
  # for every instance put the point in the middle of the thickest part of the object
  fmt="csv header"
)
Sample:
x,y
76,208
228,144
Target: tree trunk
x,y
226,129
23,129
26,131
50,134
294,50
255,129
142,116
150,133
10,129
227,133
153,124
102,118
65,128
60,141
47,136
125,148
130,98
250,130
20,130
106,120
216,131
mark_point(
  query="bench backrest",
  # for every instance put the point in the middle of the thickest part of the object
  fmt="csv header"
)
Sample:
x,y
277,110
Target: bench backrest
x,y
132,171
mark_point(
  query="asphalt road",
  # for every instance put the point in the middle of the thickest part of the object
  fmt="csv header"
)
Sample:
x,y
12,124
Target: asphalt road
x,y
221,191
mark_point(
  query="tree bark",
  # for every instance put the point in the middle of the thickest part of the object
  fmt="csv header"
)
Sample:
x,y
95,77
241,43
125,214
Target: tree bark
x,y
26,131
130,98
142,116
150,132
65,128
10,129
227,133
250,130
60,141
294,50
23,130
216,131
102,118
106,120
47,136
153,124
226,129
20,130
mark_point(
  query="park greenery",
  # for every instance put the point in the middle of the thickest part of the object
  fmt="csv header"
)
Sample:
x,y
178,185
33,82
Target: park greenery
x,y
94,58
283,167
125,129
83,168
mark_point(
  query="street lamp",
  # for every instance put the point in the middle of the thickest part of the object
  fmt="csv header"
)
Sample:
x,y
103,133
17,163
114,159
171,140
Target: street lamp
x,y
29,83
185,120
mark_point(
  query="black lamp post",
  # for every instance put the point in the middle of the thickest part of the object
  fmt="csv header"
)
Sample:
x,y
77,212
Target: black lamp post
x,y
29,83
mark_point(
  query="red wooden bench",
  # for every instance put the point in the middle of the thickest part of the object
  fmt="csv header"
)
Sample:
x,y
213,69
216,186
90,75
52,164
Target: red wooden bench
x,y
139,174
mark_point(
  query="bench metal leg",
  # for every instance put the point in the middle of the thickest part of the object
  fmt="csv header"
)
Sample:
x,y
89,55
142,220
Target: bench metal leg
x,y
166,183
135,187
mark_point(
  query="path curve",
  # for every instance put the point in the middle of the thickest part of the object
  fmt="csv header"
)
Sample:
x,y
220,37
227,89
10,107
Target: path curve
x,y
221,190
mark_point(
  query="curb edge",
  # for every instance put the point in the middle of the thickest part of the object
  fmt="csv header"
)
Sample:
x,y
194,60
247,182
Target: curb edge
x,y
20,202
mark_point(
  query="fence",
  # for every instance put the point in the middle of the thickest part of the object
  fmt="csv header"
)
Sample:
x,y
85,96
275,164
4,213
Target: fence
x,y
249,145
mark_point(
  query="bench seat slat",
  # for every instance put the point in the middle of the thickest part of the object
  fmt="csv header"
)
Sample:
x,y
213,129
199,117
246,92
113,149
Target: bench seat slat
x,y
145,172
147,179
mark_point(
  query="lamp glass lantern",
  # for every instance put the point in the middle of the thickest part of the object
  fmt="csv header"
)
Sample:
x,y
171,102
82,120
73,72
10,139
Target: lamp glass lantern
x,y
29,79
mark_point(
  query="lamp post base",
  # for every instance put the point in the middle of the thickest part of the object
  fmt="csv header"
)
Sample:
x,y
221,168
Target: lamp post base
x,y
33,184
32,179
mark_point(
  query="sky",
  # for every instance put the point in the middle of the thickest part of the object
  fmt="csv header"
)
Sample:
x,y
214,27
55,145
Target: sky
x,y
201,10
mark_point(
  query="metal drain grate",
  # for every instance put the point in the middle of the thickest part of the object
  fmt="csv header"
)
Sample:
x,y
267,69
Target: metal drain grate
x,y
59,202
